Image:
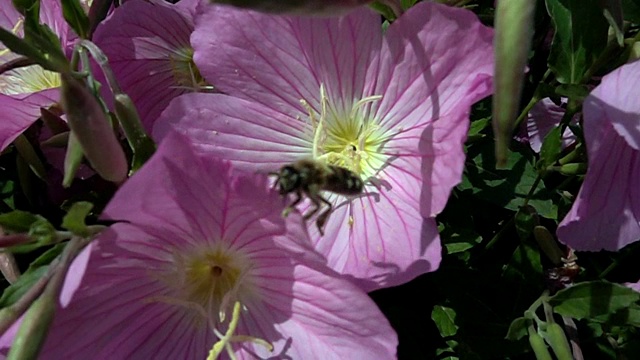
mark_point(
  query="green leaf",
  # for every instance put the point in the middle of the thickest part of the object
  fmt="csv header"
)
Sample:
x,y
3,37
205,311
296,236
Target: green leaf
x,y
74,221
18,221
476,128
37,268
574,91
47,42
7,188
458,240
47,257
550,149
40,43
518,329
580,37
524,266
406,4
19,46
445,319
25,7
43,232
613,13
593,300
526,219
76,17
16,290
625,316
383,9
506,188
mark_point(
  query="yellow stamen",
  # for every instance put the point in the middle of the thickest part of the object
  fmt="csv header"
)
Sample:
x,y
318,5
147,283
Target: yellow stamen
x,y
225,340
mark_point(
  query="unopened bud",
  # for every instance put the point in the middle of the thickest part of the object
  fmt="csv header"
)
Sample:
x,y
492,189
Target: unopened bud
x,y
557,339
93,131
538,346
514,30
72,160
573,169
141,144
548,244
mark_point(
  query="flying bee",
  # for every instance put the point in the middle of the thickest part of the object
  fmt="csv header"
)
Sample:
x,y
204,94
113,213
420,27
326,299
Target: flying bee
x,y
309,177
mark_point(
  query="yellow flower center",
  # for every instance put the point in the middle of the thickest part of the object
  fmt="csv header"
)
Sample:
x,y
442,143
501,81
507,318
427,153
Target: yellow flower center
x,y
212,281
185,72
209,280
349,137
28,79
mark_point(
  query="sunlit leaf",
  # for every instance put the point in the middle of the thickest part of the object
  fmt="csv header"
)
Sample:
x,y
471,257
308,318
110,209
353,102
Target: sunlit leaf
x,y
580,37
592,300
445,320
518,329
74,221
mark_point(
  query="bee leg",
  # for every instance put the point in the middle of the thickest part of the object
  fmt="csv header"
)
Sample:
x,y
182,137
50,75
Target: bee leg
x,y
316,206
324,216
295,202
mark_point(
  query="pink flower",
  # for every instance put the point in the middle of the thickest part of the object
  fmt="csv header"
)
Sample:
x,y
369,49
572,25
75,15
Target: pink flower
x,y
392,107
148,47
23,91
193,240
543,117
606,213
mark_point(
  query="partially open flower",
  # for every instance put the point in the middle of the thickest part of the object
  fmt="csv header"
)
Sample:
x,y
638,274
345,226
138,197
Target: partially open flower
x,y
24,90
148,47
606,213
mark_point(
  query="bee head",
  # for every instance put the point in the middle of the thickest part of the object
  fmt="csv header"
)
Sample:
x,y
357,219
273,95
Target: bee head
x,y
288,179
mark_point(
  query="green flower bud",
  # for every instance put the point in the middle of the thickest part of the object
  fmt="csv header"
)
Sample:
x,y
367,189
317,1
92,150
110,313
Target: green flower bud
x,y
556,338
92,129
514,30
538,345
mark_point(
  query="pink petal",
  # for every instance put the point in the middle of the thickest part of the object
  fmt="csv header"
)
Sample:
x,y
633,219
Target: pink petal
x,y
427,82
543,117
51,15
634,286
338,50
20,111
141,52
294,57
422,76
175,200
616,100
74,275
254,137
117,288
329,318
388,243
8,15
274,74
606,213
